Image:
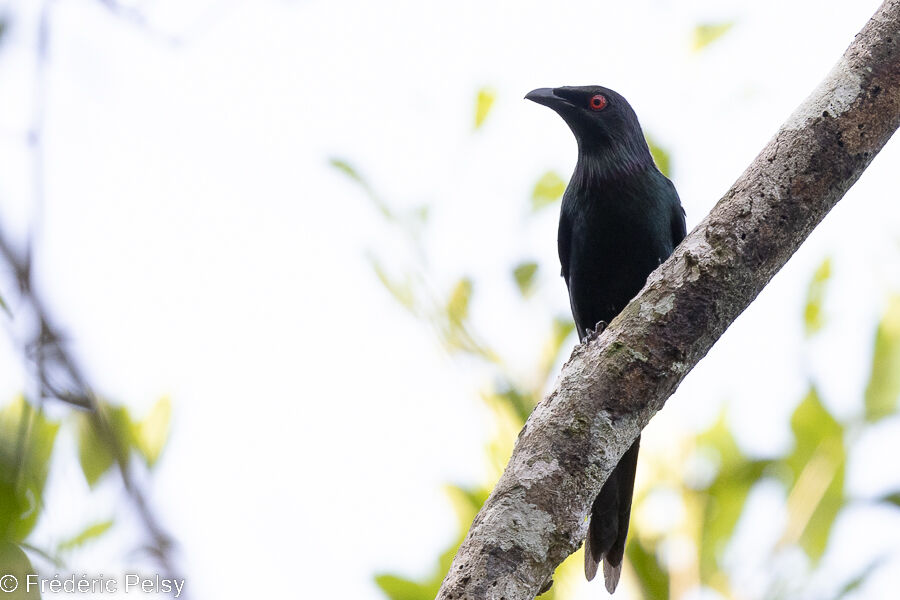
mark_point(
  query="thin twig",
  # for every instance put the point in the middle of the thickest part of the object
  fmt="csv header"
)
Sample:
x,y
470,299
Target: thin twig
x,y
47,354
138,18
45,351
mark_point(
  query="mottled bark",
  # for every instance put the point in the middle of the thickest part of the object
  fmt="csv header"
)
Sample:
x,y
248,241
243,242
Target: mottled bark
x,y
610,388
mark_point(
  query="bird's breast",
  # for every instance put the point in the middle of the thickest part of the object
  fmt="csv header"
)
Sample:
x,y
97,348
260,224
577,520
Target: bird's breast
x,y
613,248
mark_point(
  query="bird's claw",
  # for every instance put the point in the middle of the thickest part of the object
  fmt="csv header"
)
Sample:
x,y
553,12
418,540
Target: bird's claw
x,y
592,334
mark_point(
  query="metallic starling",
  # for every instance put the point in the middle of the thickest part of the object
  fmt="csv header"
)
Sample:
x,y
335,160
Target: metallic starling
x,y
620,218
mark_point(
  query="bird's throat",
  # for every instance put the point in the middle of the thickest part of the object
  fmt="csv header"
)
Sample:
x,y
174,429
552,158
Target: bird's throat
x,y
609,163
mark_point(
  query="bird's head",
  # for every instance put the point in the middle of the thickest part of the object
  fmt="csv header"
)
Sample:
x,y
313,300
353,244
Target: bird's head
x,y
602,120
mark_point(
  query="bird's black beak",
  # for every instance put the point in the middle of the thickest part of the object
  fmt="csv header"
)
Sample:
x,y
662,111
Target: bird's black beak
x,y
547,97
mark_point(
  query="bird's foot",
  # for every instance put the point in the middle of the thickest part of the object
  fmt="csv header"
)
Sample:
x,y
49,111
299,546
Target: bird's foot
x,y
592,334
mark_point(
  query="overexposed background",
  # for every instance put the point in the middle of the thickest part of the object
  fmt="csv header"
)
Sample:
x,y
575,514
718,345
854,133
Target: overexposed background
x,y
196,243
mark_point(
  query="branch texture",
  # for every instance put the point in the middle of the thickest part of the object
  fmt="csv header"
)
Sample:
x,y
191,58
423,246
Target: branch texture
x,y
610,388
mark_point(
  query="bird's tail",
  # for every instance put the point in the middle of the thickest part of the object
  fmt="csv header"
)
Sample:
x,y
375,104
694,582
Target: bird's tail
x,y
609,521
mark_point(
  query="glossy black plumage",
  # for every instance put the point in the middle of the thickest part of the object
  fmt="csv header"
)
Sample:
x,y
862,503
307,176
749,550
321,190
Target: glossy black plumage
x,y
620,218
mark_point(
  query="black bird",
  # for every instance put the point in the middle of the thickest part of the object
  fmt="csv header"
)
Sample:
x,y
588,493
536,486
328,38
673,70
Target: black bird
x,y
620,218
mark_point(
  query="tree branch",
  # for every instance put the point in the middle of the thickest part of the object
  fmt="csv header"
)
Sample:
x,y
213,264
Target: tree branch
x,y
610,388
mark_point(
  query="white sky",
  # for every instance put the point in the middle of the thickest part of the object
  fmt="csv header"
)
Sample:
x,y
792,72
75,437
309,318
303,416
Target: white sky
x,y
197,244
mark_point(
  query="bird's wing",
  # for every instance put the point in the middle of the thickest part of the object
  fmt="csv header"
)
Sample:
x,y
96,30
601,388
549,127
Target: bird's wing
x,y
679,226
564,246
564,242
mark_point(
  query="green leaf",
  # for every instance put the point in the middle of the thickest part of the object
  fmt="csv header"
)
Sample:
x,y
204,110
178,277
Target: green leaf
x,y
398,588
93,454
402,291
892,499
883,387
707,33
151,434
466,503
811,424
458,303
813,313
817,464
652,578
445,561
96,452
451,322
347,169
88,534
26,446
726,495
524,275
354,175
483,103
660,156
509,411
854,584
548,190
14,571
520,402
561,329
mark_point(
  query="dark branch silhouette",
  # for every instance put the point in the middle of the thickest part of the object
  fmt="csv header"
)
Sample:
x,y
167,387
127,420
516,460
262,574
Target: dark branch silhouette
x,y
54,370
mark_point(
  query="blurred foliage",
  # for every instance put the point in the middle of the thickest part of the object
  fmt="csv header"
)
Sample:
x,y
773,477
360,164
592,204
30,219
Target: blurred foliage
x,y
707,33
651,576
26,442
27,448
458,303
884,379
660,157
14,562
30,444
510,399
95,453
484,101
402,291
548,190
524,275
146,438
813,314
88,534
348,170
817,469
152,433
448,313
711,478
723,498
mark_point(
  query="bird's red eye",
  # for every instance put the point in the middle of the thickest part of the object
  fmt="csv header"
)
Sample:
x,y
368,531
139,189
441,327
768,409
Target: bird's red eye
x,y
598,102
